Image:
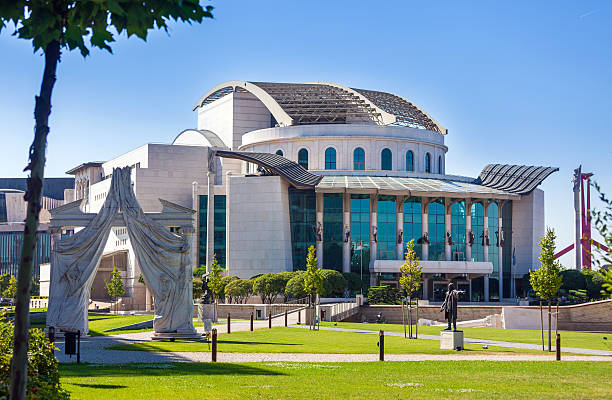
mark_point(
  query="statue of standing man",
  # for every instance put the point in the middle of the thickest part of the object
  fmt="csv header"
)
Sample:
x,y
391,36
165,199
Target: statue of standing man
x,y
450,306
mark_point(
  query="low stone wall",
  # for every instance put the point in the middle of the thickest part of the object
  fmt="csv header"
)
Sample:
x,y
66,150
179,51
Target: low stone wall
x,y
595,316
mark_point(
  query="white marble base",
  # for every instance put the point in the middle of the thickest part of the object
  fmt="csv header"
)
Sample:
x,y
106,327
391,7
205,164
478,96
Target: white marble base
x,y
172,336
451,340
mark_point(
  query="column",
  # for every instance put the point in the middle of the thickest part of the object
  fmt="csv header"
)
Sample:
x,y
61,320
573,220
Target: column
x,y
319,223
425,289
425,227
468,228
148,299
500,258
485,220
447,228
399,220
373,243
346,222
195,245
210,220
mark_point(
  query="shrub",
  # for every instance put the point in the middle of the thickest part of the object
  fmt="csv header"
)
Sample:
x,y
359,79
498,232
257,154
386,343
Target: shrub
x,y
239,289
43,375
384,295
197,288
295,286
353,281
334,283
268,286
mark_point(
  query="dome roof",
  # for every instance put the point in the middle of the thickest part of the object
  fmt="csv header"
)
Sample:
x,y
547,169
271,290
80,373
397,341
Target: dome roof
x,y
198,137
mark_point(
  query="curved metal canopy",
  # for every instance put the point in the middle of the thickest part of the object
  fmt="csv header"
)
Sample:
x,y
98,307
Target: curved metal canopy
x,y
273,164
519,179
327,103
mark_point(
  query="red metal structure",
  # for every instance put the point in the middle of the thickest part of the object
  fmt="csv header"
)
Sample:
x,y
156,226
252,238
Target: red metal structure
x,y
583,221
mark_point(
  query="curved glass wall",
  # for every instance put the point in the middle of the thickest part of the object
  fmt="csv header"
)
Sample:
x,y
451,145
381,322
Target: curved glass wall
x,y
302,217
409,161
458,231
507,248
387,227
360,236
330,158
358,159
436,231
477,215
279,153
386,160
413,223
428,163
303,158
493,226
332,231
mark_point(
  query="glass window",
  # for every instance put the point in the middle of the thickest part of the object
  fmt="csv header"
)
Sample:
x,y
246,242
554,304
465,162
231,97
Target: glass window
x,y
436,231
303,158
302,212
439,164
427,162
360,236
3,213
279,153
507,246
493,226
387,228
409,161
330,158
385,160
332,231
220,225
358,159
458,231
202,229
412,223
477,215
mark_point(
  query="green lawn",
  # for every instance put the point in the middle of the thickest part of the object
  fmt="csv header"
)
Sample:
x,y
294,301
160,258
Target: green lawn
x,y
374,380
295,340
585,340
101,322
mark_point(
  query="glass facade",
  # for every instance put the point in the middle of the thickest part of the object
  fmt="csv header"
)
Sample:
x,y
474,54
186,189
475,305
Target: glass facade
x,y
220,229
330,158
303,158
360,235
279,153
427,162
409,161
332,231
493,226
10,252
507,247
436,231
386,160
477,215
3,216
458,231
358,159
302,217
202,229
387,227
413,223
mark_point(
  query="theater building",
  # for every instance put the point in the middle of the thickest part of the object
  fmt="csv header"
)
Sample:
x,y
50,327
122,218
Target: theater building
x,y
274,168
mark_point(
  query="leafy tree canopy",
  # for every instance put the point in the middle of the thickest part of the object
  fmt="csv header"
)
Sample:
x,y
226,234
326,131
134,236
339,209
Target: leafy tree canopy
x,y
546,280
313,281
410,270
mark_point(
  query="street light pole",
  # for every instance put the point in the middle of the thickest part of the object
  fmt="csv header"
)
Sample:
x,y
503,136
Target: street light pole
x,y
361,265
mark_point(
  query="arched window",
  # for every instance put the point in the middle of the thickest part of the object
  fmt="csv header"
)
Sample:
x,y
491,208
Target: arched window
x,y
330,158
303,158
358,159
385,160
279,153
439,164
427,162
409,161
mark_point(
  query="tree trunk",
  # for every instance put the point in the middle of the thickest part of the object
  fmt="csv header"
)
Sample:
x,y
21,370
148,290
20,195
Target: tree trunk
x,y
410,316
549,322
416,326
542,325
404,316
42,110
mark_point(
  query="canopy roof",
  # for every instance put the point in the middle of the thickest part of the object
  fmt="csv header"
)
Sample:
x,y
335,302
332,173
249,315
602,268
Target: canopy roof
x,y
327,103
519,179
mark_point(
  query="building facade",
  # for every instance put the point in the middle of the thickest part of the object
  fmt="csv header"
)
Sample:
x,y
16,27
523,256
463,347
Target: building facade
x,y
274,168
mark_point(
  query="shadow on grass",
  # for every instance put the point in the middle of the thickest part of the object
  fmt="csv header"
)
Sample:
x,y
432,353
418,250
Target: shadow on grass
x,y
160,369
243,342
99,386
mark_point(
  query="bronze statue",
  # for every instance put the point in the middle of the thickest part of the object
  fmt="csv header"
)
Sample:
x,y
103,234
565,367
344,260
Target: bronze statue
x,y
450,306
206,292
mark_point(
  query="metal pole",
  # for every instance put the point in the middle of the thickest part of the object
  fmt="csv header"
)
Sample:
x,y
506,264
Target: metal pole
x,y
558,347
229,318
285,318
251,322
214,345
270,319
577,222
381,346
361,264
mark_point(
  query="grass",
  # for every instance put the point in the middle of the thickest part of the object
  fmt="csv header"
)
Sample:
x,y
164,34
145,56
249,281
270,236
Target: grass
x,y
584,340
98,323
377,380
295,340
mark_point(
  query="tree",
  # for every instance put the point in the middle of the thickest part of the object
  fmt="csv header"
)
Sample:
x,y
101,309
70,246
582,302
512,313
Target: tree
x,y
53,26
295,286
547,280
11,289
286,277
114,288
606,276
603,223
225,281
239,289
215,282
334,283
313,281
269,286
196,290
410,279
4,282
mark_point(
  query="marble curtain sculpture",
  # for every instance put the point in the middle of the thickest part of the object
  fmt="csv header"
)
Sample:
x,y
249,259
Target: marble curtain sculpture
x,y
163,258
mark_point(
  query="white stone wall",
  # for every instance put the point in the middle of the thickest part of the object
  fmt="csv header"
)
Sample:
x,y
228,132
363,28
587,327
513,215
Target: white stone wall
x,y
527,229
259,236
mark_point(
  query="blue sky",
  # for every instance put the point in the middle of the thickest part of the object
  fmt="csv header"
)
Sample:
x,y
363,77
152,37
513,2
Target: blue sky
x,y
515,82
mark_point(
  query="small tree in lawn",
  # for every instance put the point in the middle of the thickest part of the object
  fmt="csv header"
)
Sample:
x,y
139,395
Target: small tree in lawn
x,y
410,280
215,280
313,281
547,280
115,288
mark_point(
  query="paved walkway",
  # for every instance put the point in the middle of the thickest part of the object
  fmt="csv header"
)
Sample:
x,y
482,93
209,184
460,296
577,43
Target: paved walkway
x,y
498,343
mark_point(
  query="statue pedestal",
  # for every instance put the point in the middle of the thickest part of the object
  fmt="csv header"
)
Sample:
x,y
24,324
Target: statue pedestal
x,y
451,340
172,336
206,311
